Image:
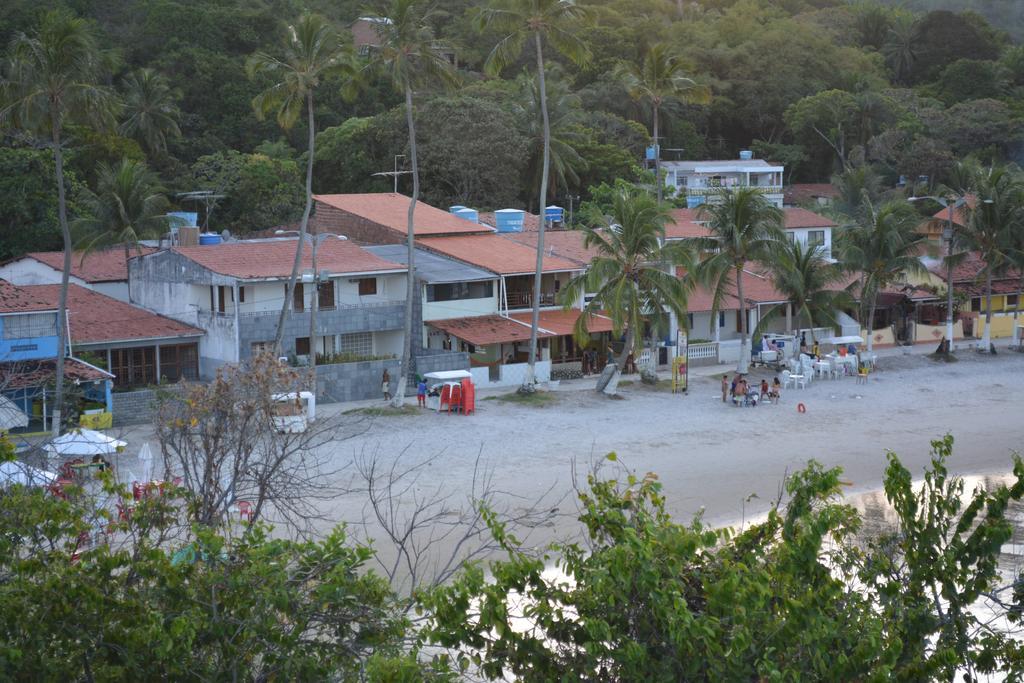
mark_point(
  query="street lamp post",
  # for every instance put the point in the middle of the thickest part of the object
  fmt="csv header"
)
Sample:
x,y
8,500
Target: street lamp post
x,y
314,241
951,204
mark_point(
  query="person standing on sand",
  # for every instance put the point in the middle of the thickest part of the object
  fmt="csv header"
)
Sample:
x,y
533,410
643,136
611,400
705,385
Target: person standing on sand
x,y
385,385
421,393
725,388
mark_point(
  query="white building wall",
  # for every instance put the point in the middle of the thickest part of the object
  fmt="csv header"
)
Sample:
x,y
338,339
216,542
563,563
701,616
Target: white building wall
x,y
387,343
462,308
27,271
801,235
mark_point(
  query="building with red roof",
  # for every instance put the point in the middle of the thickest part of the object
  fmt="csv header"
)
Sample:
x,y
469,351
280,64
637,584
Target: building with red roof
x,y
138,346
104,270
382,218
234,292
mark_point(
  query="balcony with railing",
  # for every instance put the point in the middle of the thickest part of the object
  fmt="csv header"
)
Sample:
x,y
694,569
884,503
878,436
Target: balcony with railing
x,y
524,299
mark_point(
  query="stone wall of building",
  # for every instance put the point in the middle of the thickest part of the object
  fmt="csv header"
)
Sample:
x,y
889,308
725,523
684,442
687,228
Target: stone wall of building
x,y
133,407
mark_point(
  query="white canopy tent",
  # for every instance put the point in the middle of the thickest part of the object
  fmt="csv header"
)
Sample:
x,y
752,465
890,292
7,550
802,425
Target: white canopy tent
x,y
84,443
448,375
843,341
14,472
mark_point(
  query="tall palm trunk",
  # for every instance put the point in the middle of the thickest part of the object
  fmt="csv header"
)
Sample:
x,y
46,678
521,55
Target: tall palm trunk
x,y
871,322
290,289
1016,309
986,337
744,363
62,303
531,372
657,155
410,281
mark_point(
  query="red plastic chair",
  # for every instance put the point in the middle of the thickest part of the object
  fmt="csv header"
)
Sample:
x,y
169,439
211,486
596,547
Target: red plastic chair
x,y
245,510
455,399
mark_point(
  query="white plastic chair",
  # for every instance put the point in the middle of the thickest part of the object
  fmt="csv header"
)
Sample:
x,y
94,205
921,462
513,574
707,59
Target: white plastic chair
x,y
787,379
800,380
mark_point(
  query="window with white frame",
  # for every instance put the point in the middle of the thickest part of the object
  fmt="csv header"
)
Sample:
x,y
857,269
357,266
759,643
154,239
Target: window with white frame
x,y
29,326
358,343
816,238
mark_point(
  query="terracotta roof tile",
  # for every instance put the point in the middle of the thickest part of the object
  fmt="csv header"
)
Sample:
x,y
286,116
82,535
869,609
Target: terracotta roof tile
x,y
793,217
757,289
969,270
495,253
95,318
107,265
14,299
683,225
254,260
391,210
567,244
805,192
483,330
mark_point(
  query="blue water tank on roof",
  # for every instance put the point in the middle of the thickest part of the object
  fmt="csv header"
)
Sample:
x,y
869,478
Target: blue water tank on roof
x,y
553,214
746,155
209,239
470,215
455,209
509,220
692,202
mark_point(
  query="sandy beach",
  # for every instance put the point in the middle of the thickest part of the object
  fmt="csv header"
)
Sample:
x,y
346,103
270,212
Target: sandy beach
x,y
729,462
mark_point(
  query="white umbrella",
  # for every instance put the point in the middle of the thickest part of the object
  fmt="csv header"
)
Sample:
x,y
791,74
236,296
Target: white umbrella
x,y
146,460
11,416
13,472
84,443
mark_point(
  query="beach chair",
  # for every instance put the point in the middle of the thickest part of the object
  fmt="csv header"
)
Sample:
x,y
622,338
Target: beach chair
x,y
862,375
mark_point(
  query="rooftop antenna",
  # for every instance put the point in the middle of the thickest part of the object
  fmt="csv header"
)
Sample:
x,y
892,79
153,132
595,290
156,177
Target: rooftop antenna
x,y
395,173
208,198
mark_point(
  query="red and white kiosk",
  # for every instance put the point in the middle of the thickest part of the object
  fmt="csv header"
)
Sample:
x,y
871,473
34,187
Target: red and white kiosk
x,y
451,390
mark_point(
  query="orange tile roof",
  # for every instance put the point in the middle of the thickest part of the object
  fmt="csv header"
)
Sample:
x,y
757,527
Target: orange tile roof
x,y
757,289
567,244
255,260
562,322
483,330
392,211
793,218
96,318
959,213
803,192
495,253
683,225
14,299
969,269
107,265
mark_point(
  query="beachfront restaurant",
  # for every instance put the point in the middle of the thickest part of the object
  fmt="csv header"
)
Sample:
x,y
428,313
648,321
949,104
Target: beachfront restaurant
x,y
498,345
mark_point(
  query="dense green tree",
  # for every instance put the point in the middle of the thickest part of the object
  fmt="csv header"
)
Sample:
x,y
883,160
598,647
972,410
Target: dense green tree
x,y
943,37
811,284
799,596
470,150
53,78
632,277
745,229
312,52
260,192
348,155
28,213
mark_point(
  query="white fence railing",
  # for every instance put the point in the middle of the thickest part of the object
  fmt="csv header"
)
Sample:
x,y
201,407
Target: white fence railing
x,y
703,350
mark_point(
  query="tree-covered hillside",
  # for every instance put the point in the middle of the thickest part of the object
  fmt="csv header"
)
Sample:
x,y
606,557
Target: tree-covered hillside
x,y
821,85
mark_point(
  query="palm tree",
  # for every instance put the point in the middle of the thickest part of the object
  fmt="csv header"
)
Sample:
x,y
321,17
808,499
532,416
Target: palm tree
x,y
991,226
312,53
411,57
900,49
563,112
128,207
553,21
745,228
151,111
657,80
52,78
629,276
809,282
882,249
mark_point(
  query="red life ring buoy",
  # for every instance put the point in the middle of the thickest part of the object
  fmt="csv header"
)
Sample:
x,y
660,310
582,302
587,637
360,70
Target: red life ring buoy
x,y
801,408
